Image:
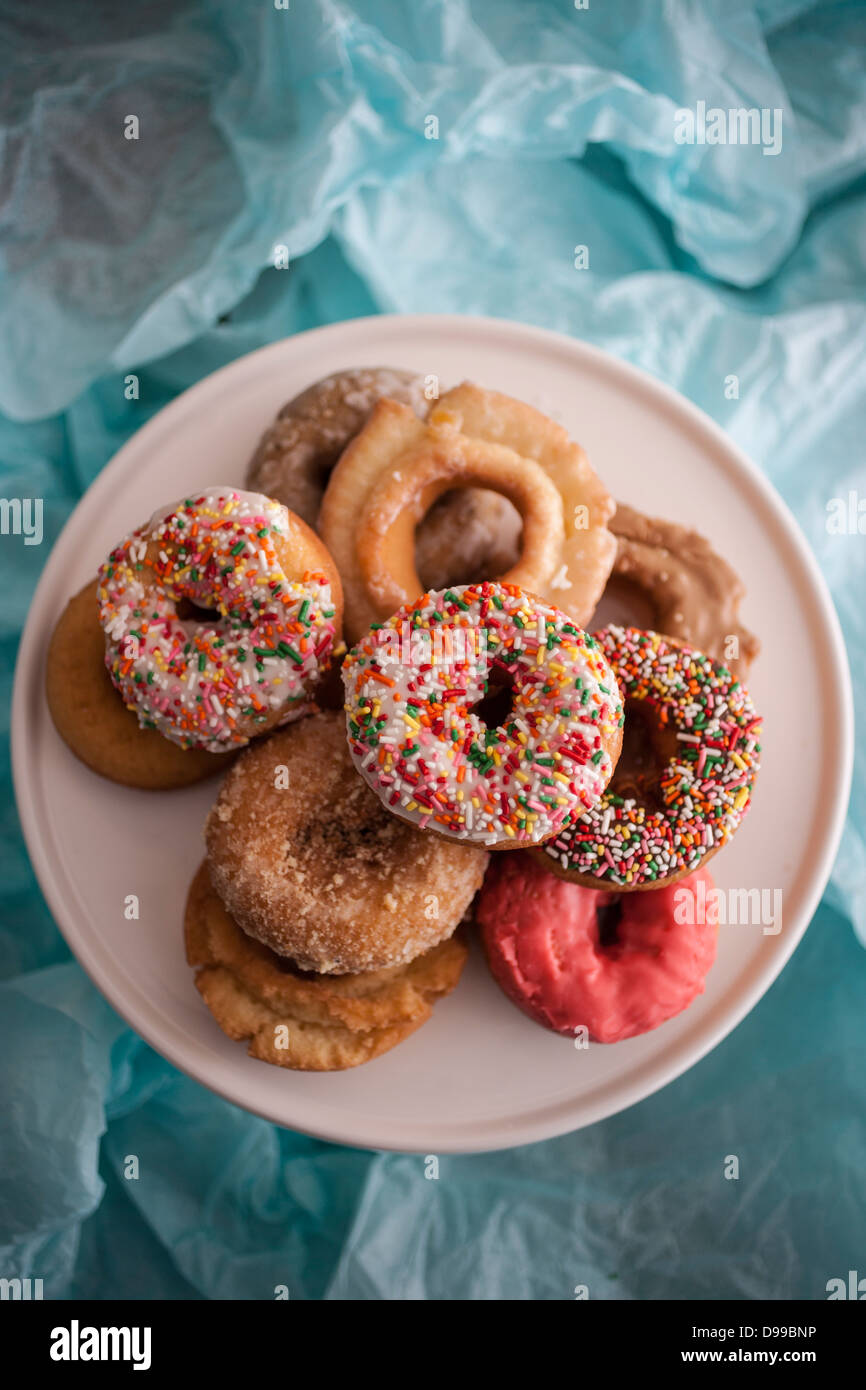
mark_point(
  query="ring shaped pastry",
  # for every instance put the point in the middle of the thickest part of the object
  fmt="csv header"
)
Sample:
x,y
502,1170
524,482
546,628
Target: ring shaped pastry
x,y
466,422
443,462
416,688
298,450
300,1020
577,959
693,594
308,861
699,737
464,536
92,719
271,597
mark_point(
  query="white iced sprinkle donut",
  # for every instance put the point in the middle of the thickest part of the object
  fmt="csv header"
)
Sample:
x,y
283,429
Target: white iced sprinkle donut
x,y
215,680
412,684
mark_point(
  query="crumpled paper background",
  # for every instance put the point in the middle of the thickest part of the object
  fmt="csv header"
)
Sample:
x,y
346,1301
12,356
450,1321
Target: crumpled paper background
x,y
305,128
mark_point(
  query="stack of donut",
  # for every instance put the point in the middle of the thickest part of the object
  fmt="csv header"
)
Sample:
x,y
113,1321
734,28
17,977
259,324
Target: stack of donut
x,y
493,760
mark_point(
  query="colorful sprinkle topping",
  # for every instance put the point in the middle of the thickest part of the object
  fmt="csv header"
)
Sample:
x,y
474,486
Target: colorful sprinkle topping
x,y
412,684
213,683
706,787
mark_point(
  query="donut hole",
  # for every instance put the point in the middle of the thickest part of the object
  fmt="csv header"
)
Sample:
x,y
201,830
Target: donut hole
x,y
625,604
608,915
468,535
335,852
646,748
190,612
498,704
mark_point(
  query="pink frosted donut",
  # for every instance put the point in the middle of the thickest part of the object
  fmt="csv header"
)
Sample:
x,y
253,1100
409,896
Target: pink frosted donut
x,y
618,974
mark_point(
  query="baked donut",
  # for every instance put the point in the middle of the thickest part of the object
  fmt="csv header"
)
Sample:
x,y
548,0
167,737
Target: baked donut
x,y
397,467
412,686
573,958
690,757
299,1020
693,594
251,662
465,536
308,862
94,722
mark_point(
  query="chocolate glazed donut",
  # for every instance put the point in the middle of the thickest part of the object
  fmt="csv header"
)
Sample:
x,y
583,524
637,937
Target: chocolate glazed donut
x,y
694,595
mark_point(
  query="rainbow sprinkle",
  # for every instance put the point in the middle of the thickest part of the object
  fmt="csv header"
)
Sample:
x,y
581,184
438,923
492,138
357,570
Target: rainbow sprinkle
x,y
412,684
214,684
706,787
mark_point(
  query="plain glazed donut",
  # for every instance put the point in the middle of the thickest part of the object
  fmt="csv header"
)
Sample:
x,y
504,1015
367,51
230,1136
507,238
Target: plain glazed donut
x,y
397,502
589,548
308,862
413,683
465,536
653,828
393,454
573,958
274,600
694,595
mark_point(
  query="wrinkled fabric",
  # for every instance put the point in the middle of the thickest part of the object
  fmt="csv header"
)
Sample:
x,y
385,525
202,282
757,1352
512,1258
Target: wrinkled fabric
x,y
307,129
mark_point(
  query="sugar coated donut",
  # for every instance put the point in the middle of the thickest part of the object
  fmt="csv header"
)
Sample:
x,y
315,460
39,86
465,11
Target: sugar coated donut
x,y
308,862
411,687
574,958
693,594
704,734
397,467
273,598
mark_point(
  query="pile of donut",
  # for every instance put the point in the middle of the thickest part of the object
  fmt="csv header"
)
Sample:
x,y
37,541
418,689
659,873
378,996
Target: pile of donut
x,y
476,757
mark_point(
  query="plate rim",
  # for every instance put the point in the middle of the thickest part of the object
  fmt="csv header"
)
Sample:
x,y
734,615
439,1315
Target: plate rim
x,y
563,1116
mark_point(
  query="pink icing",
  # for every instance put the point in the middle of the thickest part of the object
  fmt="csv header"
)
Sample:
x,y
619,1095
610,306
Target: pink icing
x,y
542,940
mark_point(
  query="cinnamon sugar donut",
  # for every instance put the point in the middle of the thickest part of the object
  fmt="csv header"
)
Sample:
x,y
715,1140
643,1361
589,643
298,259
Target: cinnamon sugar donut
x,y
309,863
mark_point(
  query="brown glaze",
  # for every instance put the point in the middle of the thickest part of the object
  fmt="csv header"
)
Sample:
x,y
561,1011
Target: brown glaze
x,y
694,594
